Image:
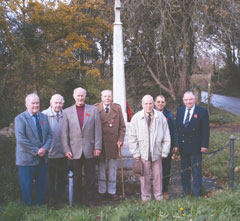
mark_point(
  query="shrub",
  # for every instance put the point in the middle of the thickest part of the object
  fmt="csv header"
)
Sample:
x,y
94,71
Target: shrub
x,y
221,119
9,186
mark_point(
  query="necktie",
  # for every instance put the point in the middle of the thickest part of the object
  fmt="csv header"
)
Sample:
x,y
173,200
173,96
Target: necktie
x,y
186,123
149,120
39,129
149,137
58,117
107,109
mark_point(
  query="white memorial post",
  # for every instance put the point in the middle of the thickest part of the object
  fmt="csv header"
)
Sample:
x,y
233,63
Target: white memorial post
x,y
119,90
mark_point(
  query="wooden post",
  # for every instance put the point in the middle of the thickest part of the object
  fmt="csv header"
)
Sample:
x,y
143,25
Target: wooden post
x,y
231,163
209,92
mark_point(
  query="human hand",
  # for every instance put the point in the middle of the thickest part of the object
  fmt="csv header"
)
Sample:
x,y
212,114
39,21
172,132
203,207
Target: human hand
x,y
69,155
41,152
119,143
175,149
203,149
97,153
138,158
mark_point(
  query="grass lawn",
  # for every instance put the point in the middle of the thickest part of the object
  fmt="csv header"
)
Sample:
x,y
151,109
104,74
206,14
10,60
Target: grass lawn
x,y
225,205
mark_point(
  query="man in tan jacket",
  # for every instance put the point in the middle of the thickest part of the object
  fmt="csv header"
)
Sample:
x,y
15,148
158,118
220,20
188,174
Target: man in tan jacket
x,y
149,141
113,131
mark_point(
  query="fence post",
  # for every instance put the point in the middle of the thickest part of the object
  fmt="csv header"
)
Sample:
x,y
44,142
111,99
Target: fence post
x,y
231,163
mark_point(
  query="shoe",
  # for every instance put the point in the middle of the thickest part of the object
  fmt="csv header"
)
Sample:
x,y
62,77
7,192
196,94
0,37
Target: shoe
x,y
52,203
165,196
113,197
91,204
184,195
101,196
144,201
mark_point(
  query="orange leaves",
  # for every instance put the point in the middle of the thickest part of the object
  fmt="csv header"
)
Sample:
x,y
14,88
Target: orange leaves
x,y
94,72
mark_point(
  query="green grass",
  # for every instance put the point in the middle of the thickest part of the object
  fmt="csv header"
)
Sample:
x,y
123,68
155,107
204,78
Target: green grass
x,y
218,165
224,205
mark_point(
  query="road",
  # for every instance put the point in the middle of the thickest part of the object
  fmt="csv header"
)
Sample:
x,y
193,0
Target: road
x,y
230,104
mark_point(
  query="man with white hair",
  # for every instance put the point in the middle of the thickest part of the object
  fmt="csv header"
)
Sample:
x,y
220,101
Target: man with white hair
x,y
82,141
57,161
149,142
193,138
33,141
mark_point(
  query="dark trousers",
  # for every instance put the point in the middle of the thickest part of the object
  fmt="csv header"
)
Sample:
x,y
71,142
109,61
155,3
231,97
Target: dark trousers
x,y
86,194
26,176
189,160
57,178
166,164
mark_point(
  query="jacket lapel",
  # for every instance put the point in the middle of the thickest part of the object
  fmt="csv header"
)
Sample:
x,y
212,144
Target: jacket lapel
x,y
156,124
182,115
87,114
31,124
75,117
193,115
102,112
111,115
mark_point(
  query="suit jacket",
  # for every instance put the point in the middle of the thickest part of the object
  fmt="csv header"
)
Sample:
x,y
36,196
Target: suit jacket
x,y
27,140
56,150
172,127
138,139
86,140
196,134
113,130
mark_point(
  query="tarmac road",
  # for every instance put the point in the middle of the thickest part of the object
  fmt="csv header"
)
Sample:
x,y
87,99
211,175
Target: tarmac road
x,y
230,104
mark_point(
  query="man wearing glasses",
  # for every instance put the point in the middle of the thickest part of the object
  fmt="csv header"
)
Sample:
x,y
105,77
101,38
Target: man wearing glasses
x,y
160,105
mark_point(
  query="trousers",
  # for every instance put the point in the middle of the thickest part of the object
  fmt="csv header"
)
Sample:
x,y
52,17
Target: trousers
x,y
145,181
85,193
27,174
107,185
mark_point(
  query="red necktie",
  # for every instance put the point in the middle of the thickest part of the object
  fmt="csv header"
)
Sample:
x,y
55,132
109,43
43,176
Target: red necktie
x,y
107,109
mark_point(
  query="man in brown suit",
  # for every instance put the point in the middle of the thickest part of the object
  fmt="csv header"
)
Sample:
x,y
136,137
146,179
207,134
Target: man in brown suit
x,y
82,141
113,131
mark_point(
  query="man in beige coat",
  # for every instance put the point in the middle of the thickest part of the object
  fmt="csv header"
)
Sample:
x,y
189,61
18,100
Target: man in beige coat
x,y
149,141
113,131
82,141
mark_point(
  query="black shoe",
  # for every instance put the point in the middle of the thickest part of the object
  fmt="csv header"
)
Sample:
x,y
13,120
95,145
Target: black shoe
x,y
101,196
113,197
52,203
184,195
91,204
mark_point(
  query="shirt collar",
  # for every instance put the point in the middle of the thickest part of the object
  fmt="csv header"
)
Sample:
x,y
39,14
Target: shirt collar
x,y
54,113
32,114
104,106
191,109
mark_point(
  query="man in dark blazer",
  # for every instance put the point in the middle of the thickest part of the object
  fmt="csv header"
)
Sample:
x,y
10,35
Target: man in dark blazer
x,y
33,141
193,138
113,131
82,141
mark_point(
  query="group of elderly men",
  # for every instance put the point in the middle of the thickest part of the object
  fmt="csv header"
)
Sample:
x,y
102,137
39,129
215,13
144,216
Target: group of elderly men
x,y
89,134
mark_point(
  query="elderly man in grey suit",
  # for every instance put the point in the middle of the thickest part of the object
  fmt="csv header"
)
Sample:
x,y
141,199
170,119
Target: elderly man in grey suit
x,y
33,141
82,141
57,161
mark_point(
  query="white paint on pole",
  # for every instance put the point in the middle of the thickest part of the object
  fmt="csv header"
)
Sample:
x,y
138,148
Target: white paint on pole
x,y
119,89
